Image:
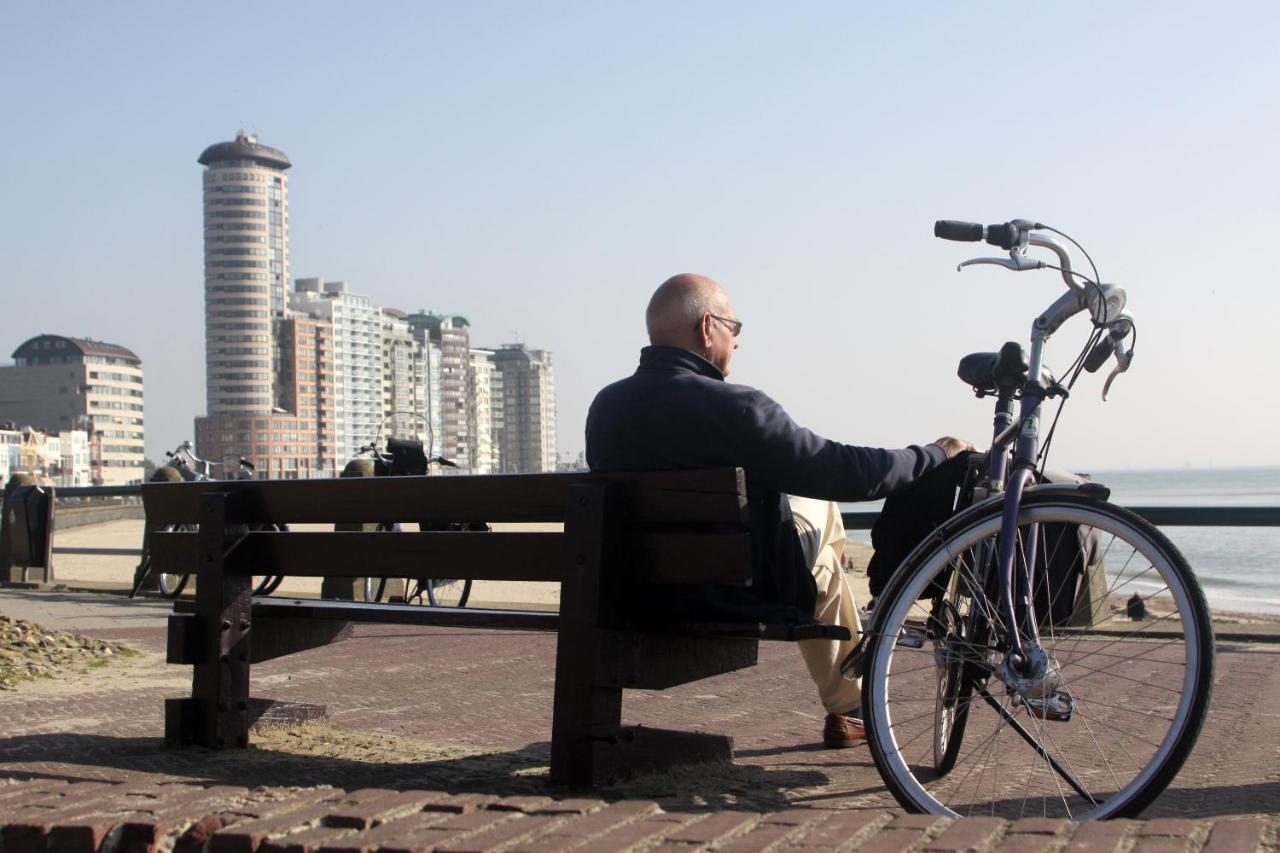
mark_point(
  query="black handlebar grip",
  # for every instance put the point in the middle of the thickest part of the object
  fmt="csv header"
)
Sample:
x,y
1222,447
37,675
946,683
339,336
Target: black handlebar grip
x,y
953,229
1098,356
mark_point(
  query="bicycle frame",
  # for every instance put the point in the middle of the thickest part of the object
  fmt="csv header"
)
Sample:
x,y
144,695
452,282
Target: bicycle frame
x,y
1023,437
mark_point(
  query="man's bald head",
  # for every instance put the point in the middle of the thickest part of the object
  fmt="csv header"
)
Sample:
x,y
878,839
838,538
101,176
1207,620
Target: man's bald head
x,y
678,305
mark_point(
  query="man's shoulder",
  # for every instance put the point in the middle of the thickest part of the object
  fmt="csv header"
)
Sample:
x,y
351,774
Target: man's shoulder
x,y
648,388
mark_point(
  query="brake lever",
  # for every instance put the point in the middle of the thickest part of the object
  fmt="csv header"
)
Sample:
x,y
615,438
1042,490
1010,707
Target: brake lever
x,y
1016,262
1123,360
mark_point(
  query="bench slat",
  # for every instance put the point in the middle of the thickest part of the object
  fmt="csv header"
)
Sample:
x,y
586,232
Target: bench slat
x,y
663,558
689,496
479,556
397,614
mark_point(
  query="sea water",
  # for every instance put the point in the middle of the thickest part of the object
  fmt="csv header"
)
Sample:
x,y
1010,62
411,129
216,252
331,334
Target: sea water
x,y
1238,567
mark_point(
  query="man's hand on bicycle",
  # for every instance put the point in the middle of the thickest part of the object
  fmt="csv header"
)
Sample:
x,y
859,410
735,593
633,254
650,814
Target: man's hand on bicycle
x,y
954,446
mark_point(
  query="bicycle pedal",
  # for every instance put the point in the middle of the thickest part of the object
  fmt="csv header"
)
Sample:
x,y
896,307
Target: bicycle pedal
x,y
1056,707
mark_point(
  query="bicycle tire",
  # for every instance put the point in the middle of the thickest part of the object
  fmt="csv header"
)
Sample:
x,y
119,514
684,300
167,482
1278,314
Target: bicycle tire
x,y
1142,687
448,592
268,584
951,703
373,589
171,585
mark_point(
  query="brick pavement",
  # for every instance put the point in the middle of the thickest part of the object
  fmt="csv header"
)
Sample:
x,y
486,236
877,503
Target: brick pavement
x,y
59,815
463,717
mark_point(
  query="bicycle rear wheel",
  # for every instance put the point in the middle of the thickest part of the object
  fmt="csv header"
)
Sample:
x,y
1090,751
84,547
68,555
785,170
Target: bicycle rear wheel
x,y
1100,737
448,592
171,585
268,584
373,589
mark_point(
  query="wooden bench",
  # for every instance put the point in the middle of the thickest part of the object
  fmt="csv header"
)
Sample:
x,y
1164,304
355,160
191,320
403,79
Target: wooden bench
x,y
619,530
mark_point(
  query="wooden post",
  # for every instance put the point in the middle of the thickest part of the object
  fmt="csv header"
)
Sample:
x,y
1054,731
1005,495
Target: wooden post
x,y
584,713
224,600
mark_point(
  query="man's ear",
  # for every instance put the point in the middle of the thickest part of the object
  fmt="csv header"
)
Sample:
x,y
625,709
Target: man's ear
x,y
704,331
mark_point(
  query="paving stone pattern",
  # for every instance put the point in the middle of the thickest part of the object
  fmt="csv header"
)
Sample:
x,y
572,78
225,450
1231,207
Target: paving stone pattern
x,y
57,815
439,741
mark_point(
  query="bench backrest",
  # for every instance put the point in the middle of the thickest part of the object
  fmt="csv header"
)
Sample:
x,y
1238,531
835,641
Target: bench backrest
x,y
717,495
678,526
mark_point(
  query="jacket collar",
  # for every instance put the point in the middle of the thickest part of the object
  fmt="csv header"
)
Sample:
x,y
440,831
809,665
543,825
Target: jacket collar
x,y
676,360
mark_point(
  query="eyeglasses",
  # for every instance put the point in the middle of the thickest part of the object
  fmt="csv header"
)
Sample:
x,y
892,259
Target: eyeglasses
x,y
734,326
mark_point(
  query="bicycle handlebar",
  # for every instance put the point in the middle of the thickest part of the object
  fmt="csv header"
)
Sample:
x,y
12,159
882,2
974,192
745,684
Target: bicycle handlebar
x,y
1006,235
1105,302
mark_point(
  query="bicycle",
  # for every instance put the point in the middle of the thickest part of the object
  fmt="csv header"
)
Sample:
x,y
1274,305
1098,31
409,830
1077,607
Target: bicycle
x,y
187,467
408,457
975,699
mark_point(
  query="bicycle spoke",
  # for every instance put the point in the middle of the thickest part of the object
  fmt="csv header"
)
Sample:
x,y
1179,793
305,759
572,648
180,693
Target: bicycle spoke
x,y
1034,744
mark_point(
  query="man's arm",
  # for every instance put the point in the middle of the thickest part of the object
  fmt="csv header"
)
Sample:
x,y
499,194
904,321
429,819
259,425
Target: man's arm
x,y
797,461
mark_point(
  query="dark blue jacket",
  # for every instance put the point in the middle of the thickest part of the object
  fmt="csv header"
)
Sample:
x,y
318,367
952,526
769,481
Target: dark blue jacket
x,y
677,412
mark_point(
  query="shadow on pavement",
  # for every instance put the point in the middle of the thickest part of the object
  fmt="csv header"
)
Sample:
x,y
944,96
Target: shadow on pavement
x,y
523,771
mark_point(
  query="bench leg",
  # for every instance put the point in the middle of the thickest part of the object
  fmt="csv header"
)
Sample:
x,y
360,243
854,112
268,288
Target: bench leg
x,y
585,718
584,714
218,714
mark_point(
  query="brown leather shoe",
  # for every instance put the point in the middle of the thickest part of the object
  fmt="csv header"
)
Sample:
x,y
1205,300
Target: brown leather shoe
x,y
842,731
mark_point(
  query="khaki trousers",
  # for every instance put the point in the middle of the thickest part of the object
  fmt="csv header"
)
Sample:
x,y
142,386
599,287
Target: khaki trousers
x,y
823,538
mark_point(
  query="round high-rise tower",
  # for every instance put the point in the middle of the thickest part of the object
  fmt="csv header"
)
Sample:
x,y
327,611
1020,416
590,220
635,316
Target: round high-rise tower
x,y
246,270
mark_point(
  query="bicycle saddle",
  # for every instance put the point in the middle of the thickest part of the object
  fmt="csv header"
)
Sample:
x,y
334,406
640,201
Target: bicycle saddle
x,y
407,457
988,372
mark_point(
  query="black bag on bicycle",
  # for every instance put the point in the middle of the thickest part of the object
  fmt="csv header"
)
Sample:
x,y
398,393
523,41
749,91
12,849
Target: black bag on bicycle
x,y
912,514
1067,556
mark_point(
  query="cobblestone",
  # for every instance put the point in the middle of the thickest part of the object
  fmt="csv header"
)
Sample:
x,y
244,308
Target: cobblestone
x,y
408,765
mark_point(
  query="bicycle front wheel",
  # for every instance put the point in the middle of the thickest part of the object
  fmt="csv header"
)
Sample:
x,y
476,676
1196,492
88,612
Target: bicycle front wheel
x,y
1118,710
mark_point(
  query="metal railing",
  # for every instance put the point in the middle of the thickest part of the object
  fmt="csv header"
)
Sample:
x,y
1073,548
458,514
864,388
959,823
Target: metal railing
x,y
74,492
1160,516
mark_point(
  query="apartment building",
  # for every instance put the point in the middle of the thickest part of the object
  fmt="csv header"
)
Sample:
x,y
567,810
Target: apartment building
x,y
485,394
527,441
246,267
356,325
59,384
451,334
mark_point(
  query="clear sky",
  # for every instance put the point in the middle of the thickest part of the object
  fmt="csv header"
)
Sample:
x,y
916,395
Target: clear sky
x,y
541,167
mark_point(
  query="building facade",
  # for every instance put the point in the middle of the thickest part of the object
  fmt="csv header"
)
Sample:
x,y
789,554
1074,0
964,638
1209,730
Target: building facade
x,y
485,392
527,441
246,268
59,384
64,459
356,325
452,335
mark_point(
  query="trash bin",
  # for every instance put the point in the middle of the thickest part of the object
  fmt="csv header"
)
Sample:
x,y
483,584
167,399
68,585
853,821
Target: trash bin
x,y
28,518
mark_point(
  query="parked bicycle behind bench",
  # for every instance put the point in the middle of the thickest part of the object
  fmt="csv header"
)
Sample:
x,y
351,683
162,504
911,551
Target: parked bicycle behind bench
x,y
986,689
407,457
184,466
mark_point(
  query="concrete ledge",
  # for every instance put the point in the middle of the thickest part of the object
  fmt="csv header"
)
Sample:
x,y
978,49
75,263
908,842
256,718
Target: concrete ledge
x,y
68,517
